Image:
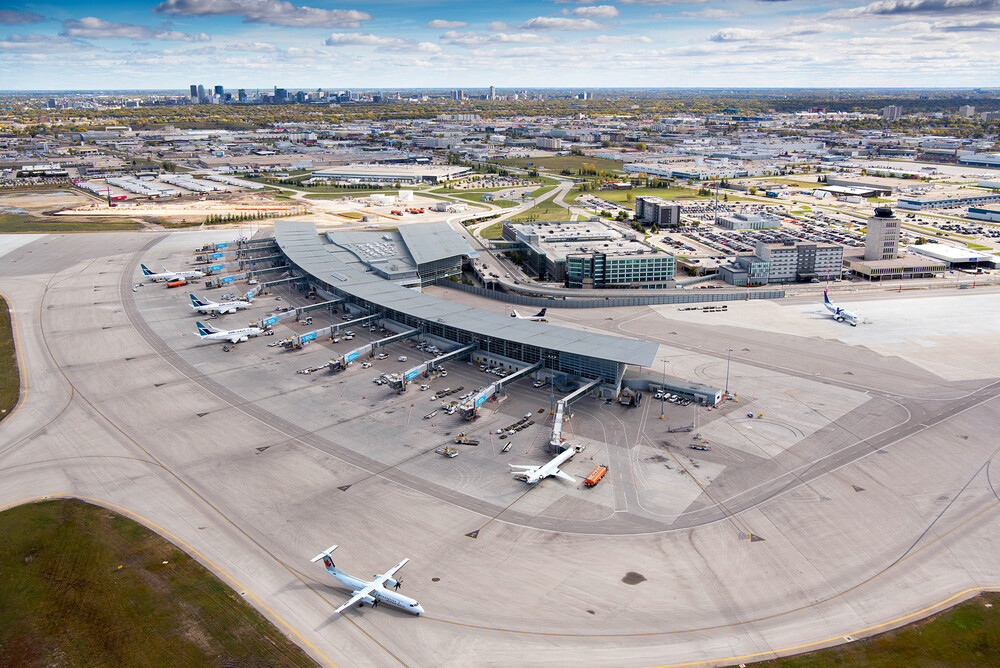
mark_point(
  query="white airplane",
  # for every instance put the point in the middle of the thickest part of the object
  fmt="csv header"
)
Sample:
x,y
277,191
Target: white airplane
x,y
232,335
532,474
218,308
371,592
840,314
168,275
538,317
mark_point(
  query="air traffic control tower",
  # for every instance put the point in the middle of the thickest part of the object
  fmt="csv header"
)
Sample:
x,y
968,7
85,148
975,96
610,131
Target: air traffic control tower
x,y
377,272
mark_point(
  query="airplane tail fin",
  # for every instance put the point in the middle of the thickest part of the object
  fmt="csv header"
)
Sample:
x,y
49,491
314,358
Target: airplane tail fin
x,y
325,555
514,313
826,297
541,314
145,270
203,329
195,302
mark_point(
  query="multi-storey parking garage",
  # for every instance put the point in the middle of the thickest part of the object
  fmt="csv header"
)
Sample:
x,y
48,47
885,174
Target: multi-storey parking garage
x,y
334,265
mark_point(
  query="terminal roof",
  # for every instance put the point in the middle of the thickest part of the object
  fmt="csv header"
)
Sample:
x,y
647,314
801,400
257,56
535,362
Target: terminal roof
x,y
335,266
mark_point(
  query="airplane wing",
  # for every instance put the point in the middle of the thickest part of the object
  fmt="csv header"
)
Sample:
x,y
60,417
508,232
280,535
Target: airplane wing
x,y
564,476
358,595
517,468
392,571
236,338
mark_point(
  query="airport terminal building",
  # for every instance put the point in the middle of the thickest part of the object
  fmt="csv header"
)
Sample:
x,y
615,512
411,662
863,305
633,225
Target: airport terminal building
x,y
381,273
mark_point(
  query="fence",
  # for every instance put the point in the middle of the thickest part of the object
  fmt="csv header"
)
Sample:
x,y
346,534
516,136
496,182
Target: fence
x,y
680,297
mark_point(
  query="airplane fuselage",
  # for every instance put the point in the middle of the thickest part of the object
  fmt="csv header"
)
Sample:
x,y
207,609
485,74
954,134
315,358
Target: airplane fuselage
x,y
381,594
222,307
531,475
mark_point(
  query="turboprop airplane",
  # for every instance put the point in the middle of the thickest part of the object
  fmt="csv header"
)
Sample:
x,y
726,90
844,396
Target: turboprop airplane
x,y
168,275
532,474
371,592
218,308
538,317
840,314
232,335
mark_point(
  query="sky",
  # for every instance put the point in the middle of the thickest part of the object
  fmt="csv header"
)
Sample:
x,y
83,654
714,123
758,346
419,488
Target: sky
x,y
400,44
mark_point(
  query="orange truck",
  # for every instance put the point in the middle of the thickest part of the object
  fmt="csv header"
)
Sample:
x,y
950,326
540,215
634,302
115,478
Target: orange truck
x,y
177,284
596,476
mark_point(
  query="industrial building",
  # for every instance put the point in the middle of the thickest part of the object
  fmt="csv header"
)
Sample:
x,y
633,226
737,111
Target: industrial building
x,y
657,211
748,221
955,257
342,270
983,213
882,235
389,174
589,254
922,204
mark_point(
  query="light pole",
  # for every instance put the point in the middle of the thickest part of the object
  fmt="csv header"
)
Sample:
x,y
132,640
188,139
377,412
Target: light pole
x,y
729,352
663,387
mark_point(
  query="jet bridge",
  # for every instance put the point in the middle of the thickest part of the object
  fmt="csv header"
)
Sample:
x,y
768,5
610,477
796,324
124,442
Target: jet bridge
x,y
556,441
471,405
398,381
295,312
340,363
296,342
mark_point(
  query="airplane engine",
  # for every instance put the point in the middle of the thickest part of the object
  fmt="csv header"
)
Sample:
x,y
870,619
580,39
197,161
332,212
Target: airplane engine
x,y
367,600
389,581
244,338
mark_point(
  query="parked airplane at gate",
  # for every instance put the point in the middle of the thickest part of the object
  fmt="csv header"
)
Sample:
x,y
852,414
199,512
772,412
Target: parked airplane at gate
x,y
538,317
232,335
532,474
168,275
218,308
371,592
840,314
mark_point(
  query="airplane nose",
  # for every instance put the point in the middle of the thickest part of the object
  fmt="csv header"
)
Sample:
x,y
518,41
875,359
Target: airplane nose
x,y
419,609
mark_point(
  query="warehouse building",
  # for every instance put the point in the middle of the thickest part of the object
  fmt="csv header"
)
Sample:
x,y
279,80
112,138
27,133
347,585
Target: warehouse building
x,y
391,174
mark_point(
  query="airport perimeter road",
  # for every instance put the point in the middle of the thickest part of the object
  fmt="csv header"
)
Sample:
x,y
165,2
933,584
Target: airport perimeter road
x,y
243,463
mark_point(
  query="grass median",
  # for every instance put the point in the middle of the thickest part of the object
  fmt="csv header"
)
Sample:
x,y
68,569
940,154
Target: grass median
x,y
10,379
81,585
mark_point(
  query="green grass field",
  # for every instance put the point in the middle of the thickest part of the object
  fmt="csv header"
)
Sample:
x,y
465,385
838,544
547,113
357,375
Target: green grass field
x,y
558,163
83,586
622,196
546,211
10,379
966,635
477,198
13,223
492,231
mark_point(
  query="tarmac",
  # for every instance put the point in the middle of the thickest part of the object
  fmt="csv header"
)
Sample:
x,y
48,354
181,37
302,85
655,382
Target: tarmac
x,y
860,499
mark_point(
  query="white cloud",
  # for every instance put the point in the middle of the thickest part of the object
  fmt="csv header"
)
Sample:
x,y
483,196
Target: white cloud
x,y
363,39
35,43
622,39
272,12
594,11
479,39
254,47
13,17
737,35
91,27
559,23
711,14
498,26
446,24
891,8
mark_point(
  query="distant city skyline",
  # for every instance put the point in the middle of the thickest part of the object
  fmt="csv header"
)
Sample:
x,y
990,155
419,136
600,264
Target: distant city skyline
x,y
521,44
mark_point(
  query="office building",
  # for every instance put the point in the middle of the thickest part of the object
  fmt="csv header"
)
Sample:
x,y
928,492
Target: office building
x,y
785,263
967,111
194,92
220,91
458,94
882,237
549,143
657,211
493,93
201,94
241,95
892,113
589,255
